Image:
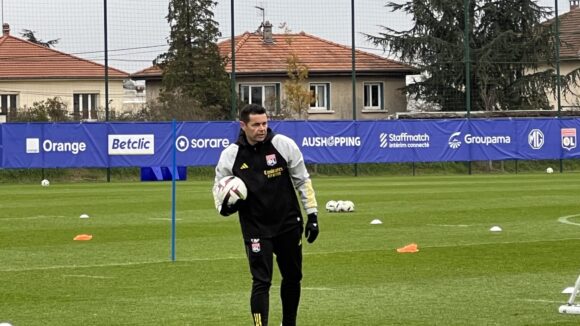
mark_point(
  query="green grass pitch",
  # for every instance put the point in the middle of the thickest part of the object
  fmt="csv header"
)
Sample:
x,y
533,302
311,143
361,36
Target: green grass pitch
x,y
463,274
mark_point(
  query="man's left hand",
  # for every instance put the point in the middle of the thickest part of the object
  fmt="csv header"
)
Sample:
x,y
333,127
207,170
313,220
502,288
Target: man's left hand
x,y
311,230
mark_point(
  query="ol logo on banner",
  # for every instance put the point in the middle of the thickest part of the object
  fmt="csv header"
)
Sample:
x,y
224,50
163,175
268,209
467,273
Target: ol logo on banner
x,y
568,138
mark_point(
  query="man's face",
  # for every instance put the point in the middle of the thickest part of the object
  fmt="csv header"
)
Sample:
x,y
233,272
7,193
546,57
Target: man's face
x,y
255,129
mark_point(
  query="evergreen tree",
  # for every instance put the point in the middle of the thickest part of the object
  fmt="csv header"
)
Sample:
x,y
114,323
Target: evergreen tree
x,y
509,43
193,70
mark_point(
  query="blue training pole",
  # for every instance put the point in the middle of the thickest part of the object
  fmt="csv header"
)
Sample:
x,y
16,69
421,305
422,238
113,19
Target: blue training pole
x,y
174,171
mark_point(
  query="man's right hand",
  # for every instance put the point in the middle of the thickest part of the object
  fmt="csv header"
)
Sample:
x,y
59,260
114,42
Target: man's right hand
x,y
227,210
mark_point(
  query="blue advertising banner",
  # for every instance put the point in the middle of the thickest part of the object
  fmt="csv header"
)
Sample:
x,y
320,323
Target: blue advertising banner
x,y
53,145
538,139
408,141
201,143
489,139
62,145
139,144
323,141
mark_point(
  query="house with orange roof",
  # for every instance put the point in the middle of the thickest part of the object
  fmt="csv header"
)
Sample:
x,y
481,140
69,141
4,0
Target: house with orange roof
x,y
32,73
261,65
570,50
569,53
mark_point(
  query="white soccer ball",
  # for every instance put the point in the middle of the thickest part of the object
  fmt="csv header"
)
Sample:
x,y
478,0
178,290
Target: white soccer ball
x,y
331,206
345,206
549,170
45,183
231,189
348,206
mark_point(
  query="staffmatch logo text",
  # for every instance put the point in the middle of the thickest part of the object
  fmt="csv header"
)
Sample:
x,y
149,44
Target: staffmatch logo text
x,y
131,144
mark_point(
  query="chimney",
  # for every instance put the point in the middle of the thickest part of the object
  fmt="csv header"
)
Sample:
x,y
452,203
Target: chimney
x,y
574,4
5,29
268,33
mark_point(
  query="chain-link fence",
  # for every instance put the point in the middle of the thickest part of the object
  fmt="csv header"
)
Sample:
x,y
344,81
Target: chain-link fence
x,y
428,56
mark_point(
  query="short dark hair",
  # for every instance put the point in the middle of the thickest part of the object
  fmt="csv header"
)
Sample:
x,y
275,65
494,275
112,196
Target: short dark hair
x,y
251,109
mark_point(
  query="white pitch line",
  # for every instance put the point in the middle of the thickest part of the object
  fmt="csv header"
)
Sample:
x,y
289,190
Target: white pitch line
x,y
163,219
243,257
542,300
29,217
564,219
450,225
46,268
441,246
309,288
89,276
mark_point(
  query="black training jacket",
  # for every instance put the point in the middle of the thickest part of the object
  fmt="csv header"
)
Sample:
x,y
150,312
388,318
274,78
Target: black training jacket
x,y
272,170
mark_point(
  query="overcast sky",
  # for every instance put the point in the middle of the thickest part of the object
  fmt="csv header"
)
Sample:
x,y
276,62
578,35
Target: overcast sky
x,y
138,30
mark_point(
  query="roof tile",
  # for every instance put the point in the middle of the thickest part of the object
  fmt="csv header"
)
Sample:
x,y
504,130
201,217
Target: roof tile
x,y
22,59
319,55
254,56
569,33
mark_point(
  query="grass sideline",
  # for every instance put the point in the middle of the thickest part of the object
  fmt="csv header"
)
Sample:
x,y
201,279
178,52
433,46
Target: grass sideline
x,y
462,275
201,173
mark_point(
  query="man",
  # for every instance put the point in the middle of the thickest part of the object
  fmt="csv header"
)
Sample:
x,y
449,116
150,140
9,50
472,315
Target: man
x,y
272,167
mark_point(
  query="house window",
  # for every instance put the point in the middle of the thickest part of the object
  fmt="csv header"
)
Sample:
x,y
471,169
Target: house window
x,y
320,96
267,95
7,103
85,106
373,96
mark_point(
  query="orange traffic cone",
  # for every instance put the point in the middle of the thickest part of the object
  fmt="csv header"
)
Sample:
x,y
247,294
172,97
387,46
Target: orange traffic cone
x,y
412,247
83,237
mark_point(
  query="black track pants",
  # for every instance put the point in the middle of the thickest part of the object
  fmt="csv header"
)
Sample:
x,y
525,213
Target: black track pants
x,y
288,250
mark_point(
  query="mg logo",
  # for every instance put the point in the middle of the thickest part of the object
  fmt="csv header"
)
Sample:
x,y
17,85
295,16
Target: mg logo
x,y
454,142
536,139
568,138
383,139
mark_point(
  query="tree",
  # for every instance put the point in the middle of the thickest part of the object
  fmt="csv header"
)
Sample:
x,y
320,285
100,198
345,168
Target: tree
x,y
193,70
30,37
508,45
298,96
51,109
